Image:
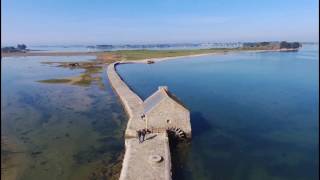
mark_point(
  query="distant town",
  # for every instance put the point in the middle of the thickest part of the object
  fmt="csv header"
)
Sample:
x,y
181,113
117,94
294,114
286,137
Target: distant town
x,y
22,48
263,45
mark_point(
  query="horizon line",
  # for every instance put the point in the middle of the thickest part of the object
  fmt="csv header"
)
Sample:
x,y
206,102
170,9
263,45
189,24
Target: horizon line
x,y
143,43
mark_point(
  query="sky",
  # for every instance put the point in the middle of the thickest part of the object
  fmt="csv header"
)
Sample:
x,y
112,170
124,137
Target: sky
x,y
67,22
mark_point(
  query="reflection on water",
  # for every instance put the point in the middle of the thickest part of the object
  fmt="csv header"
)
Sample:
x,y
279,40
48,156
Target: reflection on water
x,y
254,115
57,131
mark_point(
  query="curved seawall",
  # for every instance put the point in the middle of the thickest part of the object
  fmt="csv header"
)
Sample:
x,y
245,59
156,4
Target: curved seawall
x,y
138,160
131,102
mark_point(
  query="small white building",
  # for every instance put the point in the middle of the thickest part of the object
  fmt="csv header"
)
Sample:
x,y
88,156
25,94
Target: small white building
x,y
164,111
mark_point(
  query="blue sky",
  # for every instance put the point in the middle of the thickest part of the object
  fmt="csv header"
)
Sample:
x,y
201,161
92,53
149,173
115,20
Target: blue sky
x,y
156,21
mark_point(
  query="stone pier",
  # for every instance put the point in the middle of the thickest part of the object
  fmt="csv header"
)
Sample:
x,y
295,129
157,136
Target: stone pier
x,y
151,159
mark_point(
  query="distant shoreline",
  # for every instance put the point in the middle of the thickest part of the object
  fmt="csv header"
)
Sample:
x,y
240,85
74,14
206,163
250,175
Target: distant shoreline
x,y
71,53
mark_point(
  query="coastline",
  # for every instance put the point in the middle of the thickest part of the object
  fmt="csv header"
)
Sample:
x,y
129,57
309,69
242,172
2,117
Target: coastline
x,y
103,58
96,53
155,60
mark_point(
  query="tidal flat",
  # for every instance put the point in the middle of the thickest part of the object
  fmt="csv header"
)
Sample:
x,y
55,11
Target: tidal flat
x,y
58,131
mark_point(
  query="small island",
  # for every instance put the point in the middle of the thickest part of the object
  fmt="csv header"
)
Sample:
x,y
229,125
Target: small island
x,y
11,49
280,46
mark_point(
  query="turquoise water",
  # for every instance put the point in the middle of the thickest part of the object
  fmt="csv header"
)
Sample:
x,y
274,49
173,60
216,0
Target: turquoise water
x,y
57,131
254,115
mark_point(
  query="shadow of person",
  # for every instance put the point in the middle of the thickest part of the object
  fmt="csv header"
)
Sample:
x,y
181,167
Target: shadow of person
x,y
151,137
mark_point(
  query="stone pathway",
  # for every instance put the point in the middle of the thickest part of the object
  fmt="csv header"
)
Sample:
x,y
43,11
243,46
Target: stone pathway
x,y
149,160
138,163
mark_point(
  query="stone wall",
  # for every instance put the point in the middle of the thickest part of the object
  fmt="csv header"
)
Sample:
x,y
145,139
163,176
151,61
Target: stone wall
x,y
169,114
137,163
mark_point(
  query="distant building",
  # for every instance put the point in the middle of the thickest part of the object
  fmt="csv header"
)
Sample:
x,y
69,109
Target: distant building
x,y
163,110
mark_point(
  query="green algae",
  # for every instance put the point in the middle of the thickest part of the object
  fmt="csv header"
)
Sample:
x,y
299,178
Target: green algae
x,y
91,74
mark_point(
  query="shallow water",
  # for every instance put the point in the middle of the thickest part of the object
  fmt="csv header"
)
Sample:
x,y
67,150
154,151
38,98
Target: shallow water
x,y
254,115
57,131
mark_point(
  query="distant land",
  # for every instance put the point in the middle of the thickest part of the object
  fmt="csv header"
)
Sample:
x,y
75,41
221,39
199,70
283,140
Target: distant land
x,y
272,45
10,49
285,46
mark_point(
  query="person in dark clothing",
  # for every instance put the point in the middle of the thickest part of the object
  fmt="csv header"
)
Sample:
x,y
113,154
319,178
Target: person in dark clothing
x,y
143,134
139,133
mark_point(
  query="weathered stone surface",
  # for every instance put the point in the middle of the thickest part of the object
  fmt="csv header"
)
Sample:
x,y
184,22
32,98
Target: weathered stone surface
x,y
131,102
137,164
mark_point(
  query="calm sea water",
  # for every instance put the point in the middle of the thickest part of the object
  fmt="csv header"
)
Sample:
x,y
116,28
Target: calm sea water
x,y
254,115
57,131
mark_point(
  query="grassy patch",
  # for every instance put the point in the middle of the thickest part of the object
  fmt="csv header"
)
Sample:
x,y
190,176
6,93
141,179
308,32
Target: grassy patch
x,y
93,68
90,75
146,54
